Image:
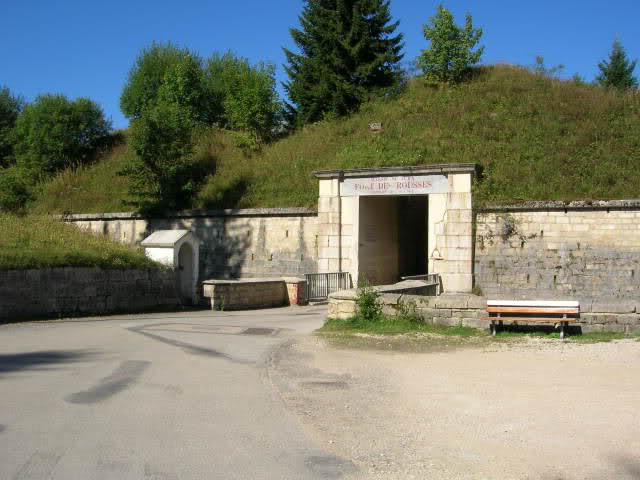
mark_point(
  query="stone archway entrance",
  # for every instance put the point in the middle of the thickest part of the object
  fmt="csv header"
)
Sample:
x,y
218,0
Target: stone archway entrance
x,y
391,222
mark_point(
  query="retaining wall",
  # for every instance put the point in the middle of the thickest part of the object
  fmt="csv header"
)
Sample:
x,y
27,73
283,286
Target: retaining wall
x,y
466,310
84,291
547,250
265,242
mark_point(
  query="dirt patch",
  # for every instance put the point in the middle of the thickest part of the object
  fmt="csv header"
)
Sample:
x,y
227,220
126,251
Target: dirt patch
x,y
533,408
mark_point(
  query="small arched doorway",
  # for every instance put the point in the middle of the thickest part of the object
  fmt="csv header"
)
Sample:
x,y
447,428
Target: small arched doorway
x,y
185,273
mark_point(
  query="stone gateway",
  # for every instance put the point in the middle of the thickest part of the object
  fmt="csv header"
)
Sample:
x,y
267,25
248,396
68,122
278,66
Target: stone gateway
x,y
386,223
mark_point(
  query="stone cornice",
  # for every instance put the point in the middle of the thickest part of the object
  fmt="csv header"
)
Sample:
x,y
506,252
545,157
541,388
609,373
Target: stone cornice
x,y
559,205
397,171
236,212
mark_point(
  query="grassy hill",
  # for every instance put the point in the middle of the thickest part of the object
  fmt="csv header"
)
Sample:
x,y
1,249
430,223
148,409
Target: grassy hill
x,y
536,138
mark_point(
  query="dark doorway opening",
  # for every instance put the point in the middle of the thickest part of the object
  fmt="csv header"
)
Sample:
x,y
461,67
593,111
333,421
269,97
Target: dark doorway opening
x,y
412,235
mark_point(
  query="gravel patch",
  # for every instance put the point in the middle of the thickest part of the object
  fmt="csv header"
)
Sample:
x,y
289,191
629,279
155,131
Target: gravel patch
x,y
526,409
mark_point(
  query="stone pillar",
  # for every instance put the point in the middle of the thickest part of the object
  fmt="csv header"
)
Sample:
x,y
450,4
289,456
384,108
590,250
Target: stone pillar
x,y
453,235
335,228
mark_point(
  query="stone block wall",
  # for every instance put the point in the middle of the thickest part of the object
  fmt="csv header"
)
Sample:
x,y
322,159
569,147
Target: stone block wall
x,y
246,294
233,243
577,252
70,291
466,310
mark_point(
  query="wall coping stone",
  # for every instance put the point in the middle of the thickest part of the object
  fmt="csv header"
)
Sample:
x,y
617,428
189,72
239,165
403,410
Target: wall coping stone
x,y
396,288
536,205
247,281
233,212
397,171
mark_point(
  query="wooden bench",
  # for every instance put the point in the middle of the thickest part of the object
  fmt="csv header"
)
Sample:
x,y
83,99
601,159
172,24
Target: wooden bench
x,y
527,311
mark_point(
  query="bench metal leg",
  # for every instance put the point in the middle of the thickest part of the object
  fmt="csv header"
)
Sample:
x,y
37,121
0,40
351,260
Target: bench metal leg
x,y
562,325
493,328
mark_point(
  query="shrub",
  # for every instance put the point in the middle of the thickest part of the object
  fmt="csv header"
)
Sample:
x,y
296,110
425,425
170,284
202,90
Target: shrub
x,y
14,189
54,133
247,93
368,303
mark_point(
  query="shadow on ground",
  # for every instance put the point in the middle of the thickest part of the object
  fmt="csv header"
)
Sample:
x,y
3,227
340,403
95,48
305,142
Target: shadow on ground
x,y
40,360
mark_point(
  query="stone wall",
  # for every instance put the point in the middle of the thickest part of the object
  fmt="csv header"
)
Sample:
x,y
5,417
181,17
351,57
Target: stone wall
x,y
252,293
466,310
233,243
84,291
553,250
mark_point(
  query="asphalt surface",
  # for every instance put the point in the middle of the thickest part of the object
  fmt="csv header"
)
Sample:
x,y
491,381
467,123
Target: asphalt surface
x,y
156,397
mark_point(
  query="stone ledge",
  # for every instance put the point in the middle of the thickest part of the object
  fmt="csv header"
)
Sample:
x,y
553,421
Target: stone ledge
x,y
562,205
234,212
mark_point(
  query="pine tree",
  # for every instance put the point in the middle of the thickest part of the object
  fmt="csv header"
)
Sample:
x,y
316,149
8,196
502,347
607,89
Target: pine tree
x,y
618,71
347,53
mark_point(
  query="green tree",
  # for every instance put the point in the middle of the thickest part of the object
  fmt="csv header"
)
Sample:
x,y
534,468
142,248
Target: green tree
x,y
10,107
54,133
450,53
347,52
166,63
161,170
246,92
618,71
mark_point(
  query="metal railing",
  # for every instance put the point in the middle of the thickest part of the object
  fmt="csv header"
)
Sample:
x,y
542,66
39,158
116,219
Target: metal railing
x,y
320,285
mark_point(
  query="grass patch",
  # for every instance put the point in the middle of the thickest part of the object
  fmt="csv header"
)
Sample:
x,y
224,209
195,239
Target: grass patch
x,y
91,188
536,138
35,241
394,325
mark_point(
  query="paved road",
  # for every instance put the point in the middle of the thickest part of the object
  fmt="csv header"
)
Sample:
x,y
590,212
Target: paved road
x,y
154,397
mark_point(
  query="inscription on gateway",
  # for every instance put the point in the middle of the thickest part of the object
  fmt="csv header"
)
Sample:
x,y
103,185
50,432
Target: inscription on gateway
x,y
413,185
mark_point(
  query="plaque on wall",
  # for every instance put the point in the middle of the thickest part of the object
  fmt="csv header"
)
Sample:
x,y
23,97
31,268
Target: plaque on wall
x,y
413,185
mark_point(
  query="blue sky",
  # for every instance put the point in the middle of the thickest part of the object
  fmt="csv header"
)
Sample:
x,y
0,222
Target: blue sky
x,y
85,48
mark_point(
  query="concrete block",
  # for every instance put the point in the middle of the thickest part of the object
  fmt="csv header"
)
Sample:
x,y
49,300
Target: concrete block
x,y
434,312
589,328
633,328
615,328
452,301
475,323
628,319
459,201
613,306
460,216
477,302
390,298
328,187
448,321
457,282
460,182
459,254
462,229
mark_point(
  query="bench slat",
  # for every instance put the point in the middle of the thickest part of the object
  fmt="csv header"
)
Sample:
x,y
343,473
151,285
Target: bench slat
x,y
529,319
533,303
532,310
